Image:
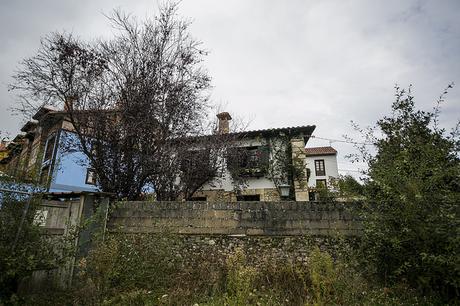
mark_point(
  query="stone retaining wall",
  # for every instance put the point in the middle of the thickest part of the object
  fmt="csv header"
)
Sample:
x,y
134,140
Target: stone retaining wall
x,y
240,218
260,249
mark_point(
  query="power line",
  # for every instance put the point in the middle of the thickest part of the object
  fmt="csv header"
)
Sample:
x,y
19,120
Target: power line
x,y
351,170
343,141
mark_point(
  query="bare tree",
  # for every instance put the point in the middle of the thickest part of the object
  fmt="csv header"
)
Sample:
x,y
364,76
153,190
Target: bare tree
x,y
138,103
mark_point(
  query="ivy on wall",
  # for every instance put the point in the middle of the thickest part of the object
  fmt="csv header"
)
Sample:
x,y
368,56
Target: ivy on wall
x,y
273,160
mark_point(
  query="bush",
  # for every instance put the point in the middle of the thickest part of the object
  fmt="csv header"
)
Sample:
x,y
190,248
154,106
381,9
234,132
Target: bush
x,y
412,227
126,266
159,269
23,248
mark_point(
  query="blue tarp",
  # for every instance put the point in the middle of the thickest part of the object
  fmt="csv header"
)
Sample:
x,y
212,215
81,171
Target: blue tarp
x,y
18,191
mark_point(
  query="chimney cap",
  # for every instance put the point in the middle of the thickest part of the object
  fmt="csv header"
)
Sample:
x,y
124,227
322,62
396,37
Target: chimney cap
x,y
224,116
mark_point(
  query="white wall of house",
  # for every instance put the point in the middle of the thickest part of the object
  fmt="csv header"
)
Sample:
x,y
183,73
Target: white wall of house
x,y
330,165
226,182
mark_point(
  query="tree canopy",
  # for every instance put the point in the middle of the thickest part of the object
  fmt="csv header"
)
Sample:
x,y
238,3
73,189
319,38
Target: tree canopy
x,y
412,227
136,101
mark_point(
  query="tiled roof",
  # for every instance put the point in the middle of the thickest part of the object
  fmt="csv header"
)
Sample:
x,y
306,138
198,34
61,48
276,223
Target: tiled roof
x,y
320,151
43,110
29,125
307,130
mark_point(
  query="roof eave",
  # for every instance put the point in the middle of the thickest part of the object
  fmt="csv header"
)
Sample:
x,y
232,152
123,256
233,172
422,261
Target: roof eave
x,y
321,154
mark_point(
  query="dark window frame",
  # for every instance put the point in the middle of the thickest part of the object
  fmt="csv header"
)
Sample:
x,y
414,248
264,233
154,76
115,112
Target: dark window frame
x,y
323,182
252,158
249,161
94,177
48,153
248,198
44,175
199,199
320,167
194,161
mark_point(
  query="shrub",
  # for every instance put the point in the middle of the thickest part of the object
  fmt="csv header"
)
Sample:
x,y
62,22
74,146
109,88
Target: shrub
x,y
127,263
323,275
159,269
412,227
23,247
240,278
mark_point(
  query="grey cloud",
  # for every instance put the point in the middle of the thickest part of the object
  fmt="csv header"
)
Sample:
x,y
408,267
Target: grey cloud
x,y
284,63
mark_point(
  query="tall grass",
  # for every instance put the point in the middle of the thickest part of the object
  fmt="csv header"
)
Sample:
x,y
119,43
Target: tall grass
x,y
144,269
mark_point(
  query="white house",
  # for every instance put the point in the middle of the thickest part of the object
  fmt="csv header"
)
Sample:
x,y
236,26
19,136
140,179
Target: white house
x,y
257,161
322,165
262,150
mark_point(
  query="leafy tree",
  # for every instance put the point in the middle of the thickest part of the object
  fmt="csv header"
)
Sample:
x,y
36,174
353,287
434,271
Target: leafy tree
x,y
412,227
348,186
136,102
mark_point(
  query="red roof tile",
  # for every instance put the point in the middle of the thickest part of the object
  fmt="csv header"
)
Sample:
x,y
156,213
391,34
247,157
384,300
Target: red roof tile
x,y
320,151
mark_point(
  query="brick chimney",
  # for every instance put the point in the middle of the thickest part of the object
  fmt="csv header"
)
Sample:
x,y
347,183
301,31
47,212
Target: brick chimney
x,y
68,104
224,124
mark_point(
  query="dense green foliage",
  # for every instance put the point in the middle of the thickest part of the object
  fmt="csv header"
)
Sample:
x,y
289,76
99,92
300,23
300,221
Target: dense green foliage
x,y
23,252
408,254
23,247
349,187
412,227
149,269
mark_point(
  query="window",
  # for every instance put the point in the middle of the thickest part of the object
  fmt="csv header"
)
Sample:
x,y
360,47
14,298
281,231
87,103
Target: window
x,y
203,199
197,164
90,177
252,197
33,157
250,157
248,161
321,184
319,167
44,175
49,147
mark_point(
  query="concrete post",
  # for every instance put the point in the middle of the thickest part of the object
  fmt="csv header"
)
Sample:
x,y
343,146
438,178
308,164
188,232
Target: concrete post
x,y
93,219
298,160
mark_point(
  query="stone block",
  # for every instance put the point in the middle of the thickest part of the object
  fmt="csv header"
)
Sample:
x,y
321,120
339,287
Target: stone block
x,y
254,231
274,218
301,195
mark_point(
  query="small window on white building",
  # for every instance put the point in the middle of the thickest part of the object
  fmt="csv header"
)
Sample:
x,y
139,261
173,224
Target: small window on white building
x,y
90,177
201,199
321,184
320,170
252,197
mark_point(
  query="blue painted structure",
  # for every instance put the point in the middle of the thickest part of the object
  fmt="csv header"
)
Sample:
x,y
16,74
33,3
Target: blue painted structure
x,y
69,171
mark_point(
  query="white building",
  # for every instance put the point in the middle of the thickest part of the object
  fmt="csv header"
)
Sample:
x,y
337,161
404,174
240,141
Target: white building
x,y
260,151
322,165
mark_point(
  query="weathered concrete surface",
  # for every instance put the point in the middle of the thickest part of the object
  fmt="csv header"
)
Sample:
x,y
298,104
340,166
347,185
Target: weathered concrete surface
x,y
240,218
66,221
278,230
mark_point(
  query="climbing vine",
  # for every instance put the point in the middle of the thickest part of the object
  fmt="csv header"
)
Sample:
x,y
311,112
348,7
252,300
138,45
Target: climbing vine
x,y
274,160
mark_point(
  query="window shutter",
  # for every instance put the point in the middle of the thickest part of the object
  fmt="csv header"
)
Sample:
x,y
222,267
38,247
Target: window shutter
x,y
264,152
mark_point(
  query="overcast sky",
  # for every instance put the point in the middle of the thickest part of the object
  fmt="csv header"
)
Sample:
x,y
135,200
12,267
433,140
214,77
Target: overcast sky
x,y
281,63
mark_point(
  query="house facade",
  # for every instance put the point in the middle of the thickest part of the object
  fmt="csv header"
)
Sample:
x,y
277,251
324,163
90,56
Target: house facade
x,y
270,168
322,167
38,155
